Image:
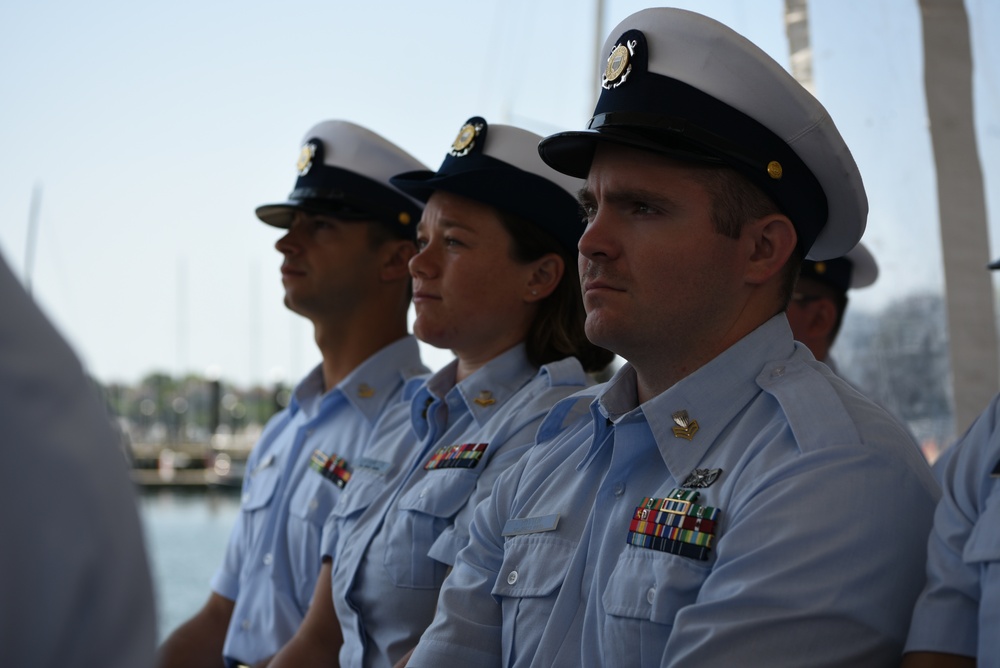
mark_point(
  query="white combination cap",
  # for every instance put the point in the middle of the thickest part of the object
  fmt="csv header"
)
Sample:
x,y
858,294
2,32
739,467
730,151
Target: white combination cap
x,y
344,171
682,84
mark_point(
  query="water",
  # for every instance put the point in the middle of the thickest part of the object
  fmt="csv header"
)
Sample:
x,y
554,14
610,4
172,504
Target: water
x,y
186,536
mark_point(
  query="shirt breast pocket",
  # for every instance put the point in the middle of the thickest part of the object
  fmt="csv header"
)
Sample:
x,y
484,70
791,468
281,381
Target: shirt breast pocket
x,y
644,593
421,514
529,580
257,497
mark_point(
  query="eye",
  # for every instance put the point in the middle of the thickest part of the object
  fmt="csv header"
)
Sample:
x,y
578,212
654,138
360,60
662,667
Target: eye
x,y
421,243
643,209
588,211
452,241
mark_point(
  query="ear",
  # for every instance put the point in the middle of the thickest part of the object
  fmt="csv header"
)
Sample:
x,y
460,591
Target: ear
x,y
396,254
546,272
772,240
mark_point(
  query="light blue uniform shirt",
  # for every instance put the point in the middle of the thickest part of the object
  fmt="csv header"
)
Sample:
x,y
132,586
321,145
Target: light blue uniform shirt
x,y
812,506
959,610
405,515
273,557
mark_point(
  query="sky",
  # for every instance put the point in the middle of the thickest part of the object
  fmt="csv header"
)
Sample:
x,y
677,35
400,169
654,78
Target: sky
x,y
153,130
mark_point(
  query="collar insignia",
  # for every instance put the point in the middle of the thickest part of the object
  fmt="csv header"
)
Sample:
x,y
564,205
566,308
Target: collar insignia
x,y
306,155
619,64
485,398
466,139
366,391
686,427
701,478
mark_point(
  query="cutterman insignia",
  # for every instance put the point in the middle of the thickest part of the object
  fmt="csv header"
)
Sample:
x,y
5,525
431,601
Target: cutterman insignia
x,y
366,391
619,65
306,155
702,478
686,427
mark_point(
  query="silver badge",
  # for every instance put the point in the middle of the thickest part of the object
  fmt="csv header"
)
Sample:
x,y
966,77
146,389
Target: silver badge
x,y
701,478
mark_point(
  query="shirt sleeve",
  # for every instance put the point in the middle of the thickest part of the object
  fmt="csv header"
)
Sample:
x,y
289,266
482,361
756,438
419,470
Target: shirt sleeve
x,y
945,618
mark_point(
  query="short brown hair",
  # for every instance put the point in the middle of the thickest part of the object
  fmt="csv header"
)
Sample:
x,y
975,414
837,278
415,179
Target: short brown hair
x,y
558,328
736,201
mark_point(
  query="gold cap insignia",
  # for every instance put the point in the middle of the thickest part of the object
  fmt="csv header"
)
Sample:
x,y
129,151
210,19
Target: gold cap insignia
x,y
404,218
305,161
774,170
366,391
619,65
465,140
485,398
819,267
686,427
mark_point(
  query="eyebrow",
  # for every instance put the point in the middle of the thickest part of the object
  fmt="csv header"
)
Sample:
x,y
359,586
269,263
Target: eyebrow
x,y
447,223
611,196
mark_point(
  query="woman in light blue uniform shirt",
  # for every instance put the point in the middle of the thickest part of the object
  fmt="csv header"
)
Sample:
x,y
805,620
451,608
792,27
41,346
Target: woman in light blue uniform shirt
x,y
495,282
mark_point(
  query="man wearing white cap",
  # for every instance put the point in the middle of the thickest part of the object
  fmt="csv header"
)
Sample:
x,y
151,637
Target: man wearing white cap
x,y
349,239
816,309
724,500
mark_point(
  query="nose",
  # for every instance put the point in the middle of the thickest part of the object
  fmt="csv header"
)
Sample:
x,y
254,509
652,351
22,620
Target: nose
x,y
289,243
598,240
424,264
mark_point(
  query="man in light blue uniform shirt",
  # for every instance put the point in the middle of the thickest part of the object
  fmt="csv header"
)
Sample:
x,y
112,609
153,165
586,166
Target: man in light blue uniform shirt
x,y
724,500
958,612
349,239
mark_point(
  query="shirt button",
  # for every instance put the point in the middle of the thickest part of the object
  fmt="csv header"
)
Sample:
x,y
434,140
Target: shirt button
x,y
512,577
423,492
268,559
778,371
246,624
246,497
313,504
619,488
650,595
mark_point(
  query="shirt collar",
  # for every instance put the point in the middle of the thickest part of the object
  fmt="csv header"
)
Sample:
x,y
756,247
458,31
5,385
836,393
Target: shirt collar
x,y
712,396
481,394
369,387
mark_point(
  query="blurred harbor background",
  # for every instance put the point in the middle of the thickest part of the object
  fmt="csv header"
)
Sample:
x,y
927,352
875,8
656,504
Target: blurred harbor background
x,y
186,534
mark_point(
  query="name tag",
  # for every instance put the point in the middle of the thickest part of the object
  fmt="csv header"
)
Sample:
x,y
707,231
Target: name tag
x,y
526,525
376,465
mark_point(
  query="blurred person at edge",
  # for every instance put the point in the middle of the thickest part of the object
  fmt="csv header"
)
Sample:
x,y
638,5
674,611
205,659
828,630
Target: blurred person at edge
x,y
348,241
494,282
959,610
76,591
